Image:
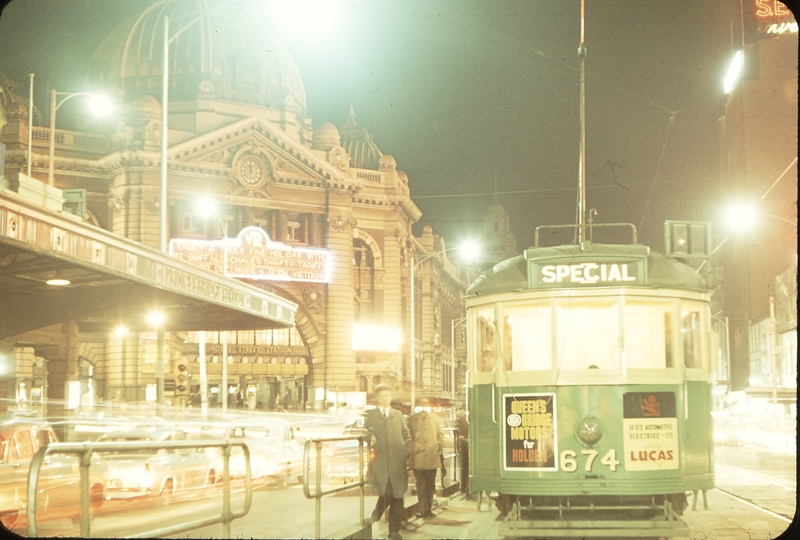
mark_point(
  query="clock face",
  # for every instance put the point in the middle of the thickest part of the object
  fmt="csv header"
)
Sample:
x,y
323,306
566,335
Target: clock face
x,y
251,172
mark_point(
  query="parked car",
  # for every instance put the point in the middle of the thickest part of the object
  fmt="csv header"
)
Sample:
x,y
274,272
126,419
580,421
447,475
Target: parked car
x,y
58,493
275,455
164,473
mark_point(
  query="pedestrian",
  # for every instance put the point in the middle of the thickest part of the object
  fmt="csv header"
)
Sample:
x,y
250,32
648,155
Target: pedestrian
x,y
463,449
391,442
428,442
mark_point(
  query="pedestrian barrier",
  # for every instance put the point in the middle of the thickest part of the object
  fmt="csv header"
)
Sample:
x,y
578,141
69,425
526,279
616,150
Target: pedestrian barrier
x,y
86,450
318,492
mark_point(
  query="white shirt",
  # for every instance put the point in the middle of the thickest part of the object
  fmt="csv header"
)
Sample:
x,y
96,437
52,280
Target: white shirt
x,y
385,412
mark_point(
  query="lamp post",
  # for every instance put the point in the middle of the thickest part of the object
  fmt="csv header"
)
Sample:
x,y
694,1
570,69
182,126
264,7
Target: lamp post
x,y
30,125
156,319
101,105
471,250
207,206
162,226
453,324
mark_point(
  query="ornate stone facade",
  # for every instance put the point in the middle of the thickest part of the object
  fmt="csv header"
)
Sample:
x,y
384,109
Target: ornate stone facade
x,y
238,132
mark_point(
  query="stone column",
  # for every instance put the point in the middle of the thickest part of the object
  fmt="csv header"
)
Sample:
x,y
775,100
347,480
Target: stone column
x,y
340,359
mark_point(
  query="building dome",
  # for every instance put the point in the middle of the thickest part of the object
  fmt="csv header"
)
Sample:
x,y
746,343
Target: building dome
x,y
359,144
229,55
325,137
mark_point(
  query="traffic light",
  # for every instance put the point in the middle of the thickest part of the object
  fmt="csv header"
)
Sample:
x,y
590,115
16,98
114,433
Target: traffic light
x,y
182,377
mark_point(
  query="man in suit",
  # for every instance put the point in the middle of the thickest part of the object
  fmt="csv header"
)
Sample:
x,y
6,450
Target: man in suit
x,y
391,441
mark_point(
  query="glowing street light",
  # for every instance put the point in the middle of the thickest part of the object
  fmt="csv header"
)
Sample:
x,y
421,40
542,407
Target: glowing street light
x,y
208,207
99,105
734,71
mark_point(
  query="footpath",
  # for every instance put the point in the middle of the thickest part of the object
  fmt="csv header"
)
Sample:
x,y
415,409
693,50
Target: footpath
x,y
456,517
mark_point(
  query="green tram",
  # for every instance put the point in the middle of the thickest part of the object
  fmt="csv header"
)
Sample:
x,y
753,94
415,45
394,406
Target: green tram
x,y
589,390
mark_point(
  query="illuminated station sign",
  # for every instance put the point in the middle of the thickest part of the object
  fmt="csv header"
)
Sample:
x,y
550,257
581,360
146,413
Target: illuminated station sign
x,y
252,255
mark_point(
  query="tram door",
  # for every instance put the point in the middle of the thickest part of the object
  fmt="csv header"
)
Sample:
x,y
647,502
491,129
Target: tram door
x,y
483,429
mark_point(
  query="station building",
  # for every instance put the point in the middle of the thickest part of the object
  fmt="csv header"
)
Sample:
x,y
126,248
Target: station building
x,y
318,216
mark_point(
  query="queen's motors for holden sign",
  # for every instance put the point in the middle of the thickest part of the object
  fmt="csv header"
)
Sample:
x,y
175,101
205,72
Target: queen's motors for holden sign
x,y
252,255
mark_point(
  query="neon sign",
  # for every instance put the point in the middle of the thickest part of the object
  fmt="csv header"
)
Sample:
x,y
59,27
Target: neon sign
x,y
774,17
252,255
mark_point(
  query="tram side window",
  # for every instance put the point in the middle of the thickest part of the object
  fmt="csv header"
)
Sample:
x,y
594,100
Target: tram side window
x,y
648,335
587,335
484,331
527,338
692,356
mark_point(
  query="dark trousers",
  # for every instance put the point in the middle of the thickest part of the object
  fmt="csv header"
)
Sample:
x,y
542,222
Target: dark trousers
x,y
426,487
396,509
464,451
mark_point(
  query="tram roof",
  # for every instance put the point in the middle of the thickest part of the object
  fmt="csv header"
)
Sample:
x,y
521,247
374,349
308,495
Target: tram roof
x,y
655,270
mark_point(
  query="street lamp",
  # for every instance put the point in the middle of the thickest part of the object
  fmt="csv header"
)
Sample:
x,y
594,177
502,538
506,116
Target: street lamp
x,y
470,250
321,11
100,105
208,207
162,225
733,73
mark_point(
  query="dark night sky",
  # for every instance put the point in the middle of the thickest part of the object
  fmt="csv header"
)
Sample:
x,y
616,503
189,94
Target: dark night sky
x,y
461,93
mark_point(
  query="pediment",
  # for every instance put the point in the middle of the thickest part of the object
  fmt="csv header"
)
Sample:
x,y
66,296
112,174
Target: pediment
x,y
252,151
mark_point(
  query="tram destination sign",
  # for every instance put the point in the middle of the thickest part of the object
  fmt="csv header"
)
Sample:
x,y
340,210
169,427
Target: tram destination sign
x,y
252,255
529,441
545,274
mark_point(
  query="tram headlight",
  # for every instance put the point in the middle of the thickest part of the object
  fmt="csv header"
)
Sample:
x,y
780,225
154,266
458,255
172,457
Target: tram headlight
x,y
590,430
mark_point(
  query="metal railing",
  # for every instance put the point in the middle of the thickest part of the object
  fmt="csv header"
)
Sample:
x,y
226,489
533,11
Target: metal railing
x,y
318,492
86,450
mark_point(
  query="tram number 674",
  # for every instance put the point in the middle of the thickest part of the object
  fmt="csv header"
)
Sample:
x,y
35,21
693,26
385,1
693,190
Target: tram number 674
x,y
570,464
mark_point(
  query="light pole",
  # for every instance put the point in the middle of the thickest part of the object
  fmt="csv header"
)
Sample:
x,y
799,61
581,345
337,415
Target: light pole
x,y
162,225
470,250
207,206
30,125
156,320
453,324
100,104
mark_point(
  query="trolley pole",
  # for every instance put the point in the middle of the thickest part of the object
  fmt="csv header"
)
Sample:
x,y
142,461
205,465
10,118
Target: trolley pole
x,y
582,162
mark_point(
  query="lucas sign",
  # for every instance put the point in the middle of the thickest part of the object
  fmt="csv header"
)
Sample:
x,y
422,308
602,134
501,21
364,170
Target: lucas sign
x,y
252,255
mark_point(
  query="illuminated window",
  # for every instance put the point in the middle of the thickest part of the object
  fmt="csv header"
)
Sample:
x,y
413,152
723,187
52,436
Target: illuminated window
x,y
691,333
527,337
648,334
587,334
484,333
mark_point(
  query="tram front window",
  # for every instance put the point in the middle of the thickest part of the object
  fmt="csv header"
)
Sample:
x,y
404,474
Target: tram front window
x,y
484,332
648,335
587,334
527,338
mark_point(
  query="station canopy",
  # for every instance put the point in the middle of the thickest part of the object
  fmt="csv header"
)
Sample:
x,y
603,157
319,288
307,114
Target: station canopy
x,y
113,281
